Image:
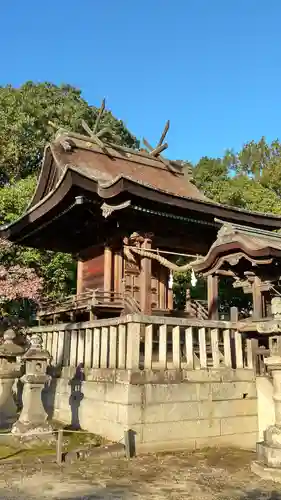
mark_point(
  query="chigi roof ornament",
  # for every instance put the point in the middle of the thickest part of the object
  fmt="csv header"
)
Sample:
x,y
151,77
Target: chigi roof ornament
x,y
98,136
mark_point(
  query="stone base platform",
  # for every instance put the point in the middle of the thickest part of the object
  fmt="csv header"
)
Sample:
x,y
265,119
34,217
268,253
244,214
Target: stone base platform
x,y
269,455
266,473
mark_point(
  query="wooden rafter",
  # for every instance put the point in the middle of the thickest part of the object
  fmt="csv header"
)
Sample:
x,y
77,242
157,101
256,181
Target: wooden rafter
x,y
94,135
100,113
164,133
160,147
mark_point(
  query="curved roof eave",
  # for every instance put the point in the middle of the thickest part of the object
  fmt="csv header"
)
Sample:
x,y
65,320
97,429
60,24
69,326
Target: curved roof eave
x,y
44,172
72,177
43,206
217,254
123,183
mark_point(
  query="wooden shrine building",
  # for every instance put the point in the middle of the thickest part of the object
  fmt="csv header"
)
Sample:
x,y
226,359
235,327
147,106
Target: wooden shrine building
x,y
252,258
124,215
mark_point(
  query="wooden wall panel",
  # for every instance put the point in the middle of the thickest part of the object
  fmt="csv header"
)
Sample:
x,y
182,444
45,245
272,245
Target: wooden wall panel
x,y
92,273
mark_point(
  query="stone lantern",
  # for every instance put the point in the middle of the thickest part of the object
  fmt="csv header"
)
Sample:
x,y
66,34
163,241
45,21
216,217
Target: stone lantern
x,y
276,307
268,465
10,369
33,418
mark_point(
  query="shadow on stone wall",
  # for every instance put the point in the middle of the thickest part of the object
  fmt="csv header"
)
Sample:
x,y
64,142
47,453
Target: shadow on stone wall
x,y
76,396
49,391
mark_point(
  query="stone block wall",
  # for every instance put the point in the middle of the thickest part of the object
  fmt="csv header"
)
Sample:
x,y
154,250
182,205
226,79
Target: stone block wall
x,y
167,410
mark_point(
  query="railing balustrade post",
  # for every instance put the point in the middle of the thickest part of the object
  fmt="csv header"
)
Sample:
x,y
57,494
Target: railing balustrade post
x,y
96,348
49,342
227,348
88,347
163,347
121,347
133,346
215,347
238,349
66,348
73,348
81,347
104,347
61,343
189,348
148,347
176,347
249,354
112,346
54,351
202,348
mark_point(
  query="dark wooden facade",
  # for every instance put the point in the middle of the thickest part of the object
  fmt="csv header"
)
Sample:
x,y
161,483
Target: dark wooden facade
x,y
145,281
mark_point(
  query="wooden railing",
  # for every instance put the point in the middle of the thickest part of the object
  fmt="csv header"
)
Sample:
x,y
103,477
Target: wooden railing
x,y
95,298
85,300
198,308
146,342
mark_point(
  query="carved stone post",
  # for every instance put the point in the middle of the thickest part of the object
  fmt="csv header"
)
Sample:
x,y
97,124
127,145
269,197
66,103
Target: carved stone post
x,y
269,451
10,369
276,307
33,418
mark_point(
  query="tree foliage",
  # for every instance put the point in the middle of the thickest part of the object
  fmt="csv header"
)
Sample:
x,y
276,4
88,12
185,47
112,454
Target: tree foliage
x,y
249,179
25,113
20,286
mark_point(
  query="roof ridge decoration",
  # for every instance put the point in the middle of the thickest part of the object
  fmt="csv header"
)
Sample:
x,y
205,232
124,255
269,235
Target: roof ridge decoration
x,y
230,228
97,136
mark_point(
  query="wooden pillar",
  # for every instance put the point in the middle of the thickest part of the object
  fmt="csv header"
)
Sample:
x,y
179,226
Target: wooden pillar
x,y
257,298
107,275
170,292
118,264
170,300
145,280
79,282
162,287
234,316
213,292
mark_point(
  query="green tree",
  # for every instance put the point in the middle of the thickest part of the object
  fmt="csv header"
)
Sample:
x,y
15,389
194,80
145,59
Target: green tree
x,y
209,171
25,113
58,270
249,179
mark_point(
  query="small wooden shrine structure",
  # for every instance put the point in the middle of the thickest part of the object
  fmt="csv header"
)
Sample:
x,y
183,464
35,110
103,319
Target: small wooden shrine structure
x,y
125,215
251,257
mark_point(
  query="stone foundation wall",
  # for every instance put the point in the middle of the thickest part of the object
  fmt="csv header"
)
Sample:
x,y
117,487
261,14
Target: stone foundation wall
x,y
167,410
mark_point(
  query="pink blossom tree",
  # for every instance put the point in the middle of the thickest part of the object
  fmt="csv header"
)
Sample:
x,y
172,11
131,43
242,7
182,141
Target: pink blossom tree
x,y
18,283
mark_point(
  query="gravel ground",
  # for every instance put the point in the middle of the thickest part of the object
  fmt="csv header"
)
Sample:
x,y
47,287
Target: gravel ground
x,y
209,474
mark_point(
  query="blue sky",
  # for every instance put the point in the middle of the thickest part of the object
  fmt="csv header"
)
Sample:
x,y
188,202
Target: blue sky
x,y
213,67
